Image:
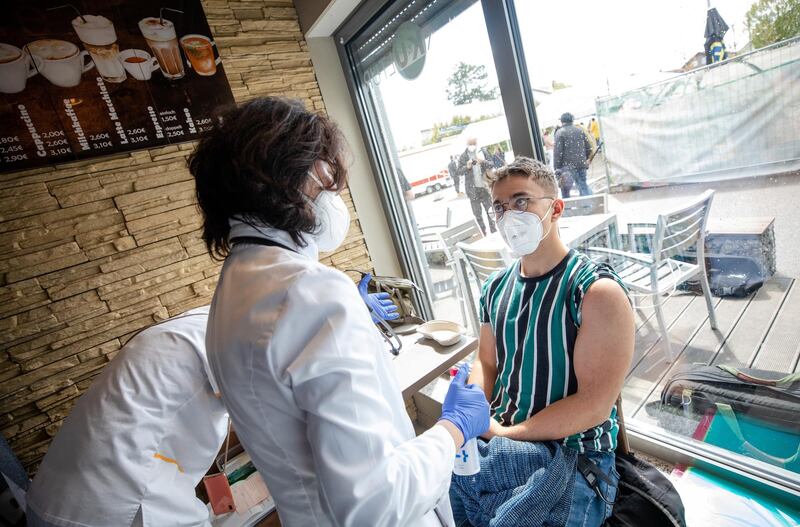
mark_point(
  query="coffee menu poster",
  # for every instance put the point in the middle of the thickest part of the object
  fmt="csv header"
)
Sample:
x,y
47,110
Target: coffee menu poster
x,y
104,76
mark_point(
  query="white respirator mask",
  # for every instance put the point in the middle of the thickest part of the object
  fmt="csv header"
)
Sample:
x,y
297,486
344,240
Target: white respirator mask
x,y
522,231
333,218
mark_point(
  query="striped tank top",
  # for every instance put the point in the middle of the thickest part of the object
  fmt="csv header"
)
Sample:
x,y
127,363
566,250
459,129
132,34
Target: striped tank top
x,y
535,322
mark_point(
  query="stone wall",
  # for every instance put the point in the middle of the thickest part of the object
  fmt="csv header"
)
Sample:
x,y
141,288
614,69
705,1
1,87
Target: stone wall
x,y
94,251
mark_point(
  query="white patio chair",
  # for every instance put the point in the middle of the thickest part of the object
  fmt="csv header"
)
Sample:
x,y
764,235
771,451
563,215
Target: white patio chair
x,y
463,232
482,263
430,240
658,273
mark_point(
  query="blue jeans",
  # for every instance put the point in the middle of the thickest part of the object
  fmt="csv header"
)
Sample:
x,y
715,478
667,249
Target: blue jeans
x,y
579,177
588,510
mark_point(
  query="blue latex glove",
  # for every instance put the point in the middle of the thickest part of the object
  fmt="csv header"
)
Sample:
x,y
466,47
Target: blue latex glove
x,y
465,406
380,305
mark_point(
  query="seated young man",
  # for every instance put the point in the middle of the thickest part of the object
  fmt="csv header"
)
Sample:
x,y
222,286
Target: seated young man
x,y
556,338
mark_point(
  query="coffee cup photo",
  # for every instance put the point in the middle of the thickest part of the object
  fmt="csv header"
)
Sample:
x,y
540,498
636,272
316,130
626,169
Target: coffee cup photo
x,y
138,63
16,67
60,62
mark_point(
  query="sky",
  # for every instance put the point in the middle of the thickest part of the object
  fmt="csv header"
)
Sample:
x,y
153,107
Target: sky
x,y
587,44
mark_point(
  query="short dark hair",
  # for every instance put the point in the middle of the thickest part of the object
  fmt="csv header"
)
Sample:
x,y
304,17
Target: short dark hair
x,y
526,167
254,165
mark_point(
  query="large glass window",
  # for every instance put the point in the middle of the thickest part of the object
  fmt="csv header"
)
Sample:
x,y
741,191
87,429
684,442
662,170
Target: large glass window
x,y
677,100
687,126
426,74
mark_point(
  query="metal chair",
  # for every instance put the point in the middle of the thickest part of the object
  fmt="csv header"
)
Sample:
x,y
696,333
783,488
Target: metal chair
x,y
482,264
431,242
448,238
659,273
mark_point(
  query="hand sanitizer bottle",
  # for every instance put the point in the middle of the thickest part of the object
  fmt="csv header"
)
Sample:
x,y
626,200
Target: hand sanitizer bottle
x,y
468,461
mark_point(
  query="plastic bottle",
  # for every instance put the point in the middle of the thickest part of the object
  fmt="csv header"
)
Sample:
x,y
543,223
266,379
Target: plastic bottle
x,y
468,461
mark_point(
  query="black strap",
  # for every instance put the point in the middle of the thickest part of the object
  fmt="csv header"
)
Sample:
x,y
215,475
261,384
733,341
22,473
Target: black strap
x,y
592,473
255,240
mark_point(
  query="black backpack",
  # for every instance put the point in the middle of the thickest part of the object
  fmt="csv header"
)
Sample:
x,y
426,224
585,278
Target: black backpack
x,y
644,496
770,396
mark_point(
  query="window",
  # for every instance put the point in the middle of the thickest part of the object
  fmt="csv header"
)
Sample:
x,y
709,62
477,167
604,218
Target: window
x,y
668,113
428,82
670,127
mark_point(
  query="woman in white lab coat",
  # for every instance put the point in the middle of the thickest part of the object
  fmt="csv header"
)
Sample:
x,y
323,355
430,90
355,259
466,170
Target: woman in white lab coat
x,y
302,369
139,440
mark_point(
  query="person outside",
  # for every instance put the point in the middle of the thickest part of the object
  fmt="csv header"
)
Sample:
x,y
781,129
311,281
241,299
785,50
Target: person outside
x,y
572,150
304,373
475,170
556,337
452,169
498,157
549,144
594,129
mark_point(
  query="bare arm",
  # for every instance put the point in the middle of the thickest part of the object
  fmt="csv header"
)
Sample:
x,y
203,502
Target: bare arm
x,y
484,371
603,352
484,368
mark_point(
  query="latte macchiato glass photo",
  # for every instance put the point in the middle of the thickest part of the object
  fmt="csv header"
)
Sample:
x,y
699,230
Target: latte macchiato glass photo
x,y
60,62
15,68
100,40
160,36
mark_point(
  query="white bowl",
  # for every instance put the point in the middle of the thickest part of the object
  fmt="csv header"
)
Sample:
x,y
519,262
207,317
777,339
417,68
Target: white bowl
x,y
444,332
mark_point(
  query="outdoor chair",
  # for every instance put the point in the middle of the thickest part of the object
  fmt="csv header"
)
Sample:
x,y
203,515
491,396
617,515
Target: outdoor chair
x,y
463,232
659,272
482,263
431,243
585,205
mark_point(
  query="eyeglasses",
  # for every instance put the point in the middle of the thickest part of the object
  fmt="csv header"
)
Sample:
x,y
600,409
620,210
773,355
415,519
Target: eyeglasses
x,y
518,204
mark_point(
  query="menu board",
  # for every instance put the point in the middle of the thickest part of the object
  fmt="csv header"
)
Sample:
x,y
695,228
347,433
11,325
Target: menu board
x,y
104,76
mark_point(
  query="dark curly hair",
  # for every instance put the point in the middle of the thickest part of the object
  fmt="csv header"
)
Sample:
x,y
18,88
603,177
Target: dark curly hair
x,y
254,165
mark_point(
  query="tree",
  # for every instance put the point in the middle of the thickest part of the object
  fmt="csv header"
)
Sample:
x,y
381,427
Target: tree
x,y
771,21
468,83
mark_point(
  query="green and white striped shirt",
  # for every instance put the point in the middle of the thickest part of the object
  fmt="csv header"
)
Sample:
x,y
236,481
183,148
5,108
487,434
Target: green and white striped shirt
x,y
535,323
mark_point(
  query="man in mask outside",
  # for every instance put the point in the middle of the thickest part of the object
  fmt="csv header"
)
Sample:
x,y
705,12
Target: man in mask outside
x,y
556,337
474,167
572,150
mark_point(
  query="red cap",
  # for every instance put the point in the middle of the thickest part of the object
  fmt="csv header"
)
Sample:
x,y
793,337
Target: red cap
x,y
453,371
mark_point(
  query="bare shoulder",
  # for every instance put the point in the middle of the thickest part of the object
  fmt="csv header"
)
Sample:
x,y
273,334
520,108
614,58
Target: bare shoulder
x,y
604,298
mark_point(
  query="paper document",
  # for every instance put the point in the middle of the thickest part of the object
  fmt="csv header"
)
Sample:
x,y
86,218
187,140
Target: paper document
x,y
249,493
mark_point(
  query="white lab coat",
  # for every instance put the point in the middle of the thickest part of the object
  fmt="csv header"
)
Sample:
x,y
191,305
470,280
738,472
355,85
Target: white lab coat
x,y
110,462
313,396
